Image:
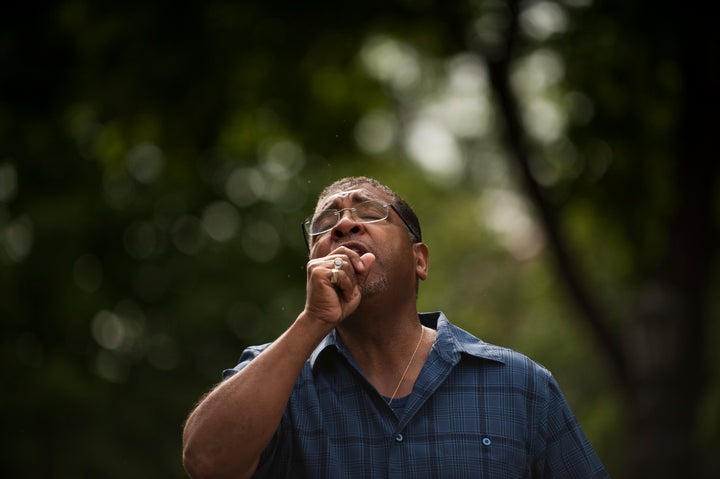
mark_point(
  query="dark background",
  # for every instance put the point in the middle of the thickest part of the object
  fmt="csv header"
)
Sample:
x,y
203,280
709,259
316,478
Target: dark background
x,y
156,161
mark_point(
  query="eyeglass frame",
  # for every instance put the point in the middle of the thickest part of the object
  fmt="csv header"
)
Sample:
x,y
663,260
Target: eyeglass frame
x,y
306,235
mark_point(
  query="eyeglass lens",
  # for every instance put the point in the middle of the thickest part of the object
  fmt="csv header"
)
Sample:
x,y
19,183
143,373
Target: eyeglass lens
x,y
365,212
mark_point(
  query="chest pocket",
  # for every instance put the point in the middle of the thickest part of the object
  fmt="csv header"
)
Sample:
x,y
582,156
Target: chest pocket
x,y
484,456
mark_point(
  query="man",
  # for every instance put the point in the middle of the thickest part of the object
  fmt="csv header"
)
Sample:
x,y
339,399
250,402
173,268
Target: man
x,y
362,386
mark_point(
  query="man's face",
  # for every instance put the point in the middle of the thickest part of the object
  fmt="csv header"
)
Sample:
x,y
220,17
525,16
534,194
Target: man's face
x,y
387,239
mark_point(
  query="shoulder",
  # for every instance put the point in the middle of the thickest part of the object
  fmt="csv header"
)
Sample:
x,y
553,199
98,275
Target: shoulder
x,y
250,353
512,367
507,363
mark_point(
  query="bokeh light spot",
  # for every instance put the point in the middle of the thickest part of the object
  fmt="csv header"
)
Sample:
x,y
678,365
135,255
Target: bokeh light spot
x,y
244,186
145,162
221,220
18,238
504,213
435,149
376,132
261,241
392,61
282,159
543,19
109,330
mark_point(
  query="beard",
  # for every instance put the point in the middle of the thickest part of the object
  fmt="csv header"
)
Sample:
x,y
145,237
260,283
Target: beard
x,y
375,286
375,283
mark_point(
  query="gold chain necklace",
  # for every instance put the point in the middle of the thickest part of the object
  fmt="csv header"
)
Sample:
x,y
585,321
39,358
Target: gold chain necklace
x,y
417,346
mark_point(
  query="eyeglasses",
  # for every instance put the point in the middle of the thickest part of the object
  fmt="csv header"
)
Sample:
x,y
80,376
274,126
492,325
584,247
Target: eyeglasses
x,y
366,212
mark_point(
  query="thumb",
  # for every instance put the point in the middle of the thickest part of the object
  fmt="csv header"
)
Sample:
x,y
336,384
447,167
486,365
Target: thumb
x,y
367,260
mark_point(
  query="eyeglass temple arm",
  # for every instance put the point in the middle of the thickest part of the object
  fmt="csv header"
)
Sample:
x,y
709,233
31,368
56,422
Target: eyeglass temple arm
x,y
415,234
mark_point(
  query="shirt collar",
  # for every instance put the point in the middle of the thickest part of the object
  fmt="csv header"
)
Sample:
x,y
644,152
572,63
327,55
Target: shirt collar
x,y
451,341
330,341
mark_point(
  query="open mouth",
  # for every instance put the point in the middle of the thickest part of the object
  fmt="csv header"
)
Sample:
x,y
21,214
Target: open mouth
x,y
359,248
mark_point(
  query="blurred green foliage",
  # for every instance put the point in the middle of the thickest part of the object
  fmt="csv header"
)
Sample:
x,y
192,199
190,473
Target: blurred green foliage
x,y
156,160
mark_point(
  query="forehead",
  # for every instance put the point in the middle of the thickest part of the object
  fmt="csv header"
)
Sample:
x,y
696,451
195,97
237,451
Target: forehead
x,y
354,195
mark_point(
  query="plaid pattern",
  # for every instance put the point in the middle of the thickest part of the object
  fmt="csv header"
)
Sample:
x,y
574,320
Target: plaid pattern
x,y
477,410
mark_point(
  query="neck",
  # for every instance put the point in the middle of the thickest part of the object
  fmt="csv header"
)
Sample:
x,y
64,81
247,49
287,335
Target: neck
x,y
390,350
383,334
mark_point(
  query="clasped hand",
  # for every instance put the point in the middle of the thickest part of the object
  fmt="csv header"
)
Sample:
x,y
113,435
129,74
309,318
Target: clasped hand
x,y
330,301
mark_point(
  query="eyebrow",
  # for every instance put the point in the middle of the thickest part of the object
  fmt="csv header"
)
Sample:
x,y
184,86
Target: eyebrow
x,y
356,197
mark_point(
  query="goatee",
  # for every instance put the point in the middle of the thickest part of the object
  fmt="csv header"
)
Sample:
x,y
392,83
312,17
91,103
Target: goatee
x,y
374,287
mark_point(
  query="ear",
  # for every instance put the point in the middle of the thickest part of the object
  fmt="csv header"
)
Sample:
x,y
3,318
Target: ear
x,y
421,253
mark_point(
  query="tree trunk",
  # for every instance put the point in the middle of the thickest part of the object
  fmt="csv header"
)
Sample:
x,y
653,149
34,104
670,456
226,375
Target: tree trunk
x,y
666,376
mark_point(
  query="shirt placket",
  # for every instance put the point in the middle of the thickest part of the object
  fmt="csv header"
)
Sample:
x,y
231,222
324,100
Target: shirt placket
x,y
403,447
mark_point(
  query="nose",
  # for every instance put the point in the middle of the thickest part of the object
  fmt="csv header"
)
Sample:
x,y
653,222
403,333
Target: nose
x,y
347,224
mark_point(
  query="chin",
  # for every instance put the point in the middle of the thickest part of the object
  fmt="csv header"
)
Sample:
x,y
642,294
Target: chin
x,y
372,288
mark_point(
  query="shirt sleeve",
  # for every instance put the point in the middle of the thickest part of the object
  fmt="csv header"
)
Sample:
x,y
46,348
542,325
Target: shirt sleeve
x,y
247,355
567,451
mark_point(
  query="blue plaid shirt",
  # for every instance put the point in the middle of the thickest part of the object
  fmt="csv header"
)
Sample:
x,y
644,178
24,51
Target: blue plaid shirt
x,y
476,410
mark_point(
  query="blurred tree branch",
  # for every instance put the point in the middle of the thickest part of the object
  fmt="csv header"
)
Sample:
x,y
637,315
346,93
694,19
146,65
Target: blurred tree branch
x,y
498,59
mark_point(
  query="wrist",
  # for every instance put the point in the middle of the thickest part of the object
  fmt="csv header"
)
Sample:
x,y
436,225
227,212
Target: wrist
x,y
313,324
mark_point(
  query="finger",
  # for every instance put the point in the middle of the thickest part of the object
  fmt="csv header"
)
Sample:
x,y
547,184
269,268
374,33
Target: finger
x,y
357,267
334,272
320,272
331,301
334,276
352,256
337,271
367,260
347,286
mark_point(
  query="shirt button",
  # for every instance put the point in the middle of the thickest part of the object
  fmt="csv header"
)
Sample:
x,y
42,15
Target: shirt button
x,y
486,441
399,437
